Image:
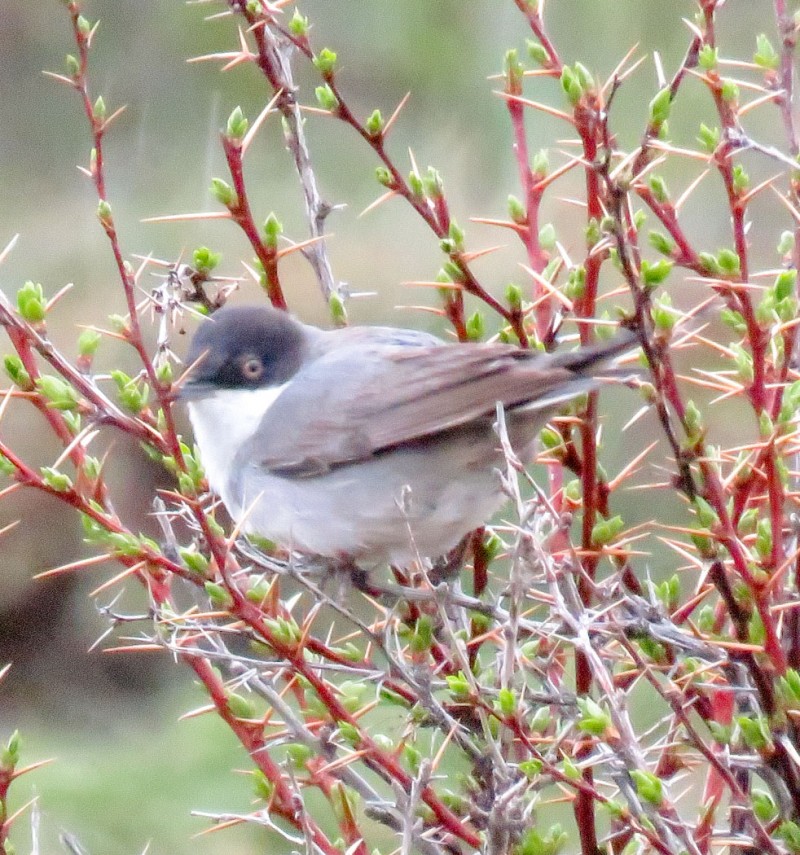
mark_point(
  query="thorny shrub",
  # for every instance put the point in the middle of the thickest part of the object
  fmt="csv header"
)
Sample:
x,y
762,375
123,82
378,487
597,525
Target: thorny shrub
x,y
450,717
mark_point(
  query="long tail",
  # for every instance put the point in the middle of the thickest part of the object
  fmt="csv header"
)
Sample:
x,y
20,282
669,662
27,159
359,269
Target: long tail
x,y
587,360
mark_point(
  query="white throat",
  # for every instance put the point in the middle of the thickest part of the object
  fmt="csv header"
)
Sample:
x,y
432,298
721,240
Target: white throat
x,y
222,422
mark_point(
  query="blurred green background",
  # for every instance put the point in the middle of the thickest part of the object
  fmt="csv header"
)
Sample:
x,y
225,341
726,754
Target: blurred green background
x,y
126,771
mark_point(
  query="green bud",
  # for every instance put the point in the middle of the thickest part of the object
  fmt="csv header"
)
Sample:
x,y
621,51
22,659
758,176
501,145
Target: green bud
x,y
384,176
60,394
785,284
537,52
789,832
31,303
744,362
729,262
73,66
720,732
605,531
273,229
765,56
432,184
708,138
337,309
570,770
584,77
298,26
513,296
708,58
374,124
412,757
132,395
547,236
453,271
237,125
660,106
456,236
541,720
513,70
534,842
194,560
104,213
16,371
648,786
575,286
664,316
786,243
550,438
240,706
299,754
264,788
531,768
540,165
764,806
729,92
654,273
326,99
658,187
56,480
422,638
594,719
99,110
764,538
476,328
325,63
592,232
571,85
741,180
223,192
661,243
9,753
733,319
516,210
748,521
755,732
457,684
790,687
84,27
706,515
88,342
218,596
205,260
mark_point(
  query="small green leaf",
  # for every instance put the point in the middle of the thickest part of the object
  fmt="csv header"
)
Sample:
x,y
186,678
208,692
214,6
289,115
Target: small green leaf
x,y
298,25
31,302
326,98
660,106
374,123
765,56
325,63
708,57
648,786
237,125
223,192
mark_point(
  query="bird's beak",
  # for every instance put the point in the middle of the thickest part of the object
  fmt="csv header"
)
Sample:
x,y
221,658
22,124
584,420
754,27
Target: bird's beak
x,y
193,390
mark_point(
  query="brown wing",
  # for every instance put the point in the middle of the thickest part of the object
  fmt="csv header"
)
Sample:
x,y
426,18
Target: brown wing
x,y
353,403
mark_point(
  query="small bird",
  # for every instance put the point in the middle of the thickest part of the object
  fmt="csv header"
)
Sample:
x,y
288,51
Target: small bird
x,y
367,444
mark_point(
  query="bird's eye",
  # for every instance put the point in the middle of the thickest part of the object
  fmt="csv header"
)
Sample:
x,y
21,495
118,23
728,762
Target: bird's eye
x,y
252,367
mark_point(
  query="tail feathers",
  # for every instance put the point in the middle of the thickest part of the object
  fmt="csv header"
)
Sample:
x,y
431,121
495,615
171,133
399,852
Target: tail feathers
x,y
589,360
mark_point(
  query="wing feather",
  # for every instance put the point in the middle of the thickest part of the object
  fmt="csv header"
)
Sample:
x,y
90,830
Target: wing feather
x,y
354,402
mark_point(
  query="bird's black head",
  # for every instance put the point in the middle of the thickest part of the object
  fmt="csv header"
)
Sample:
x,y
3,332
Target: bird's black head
x,y
246,347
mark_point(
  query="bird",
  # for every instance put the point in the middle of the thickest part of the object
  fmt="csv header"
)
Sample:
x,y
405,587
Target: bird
x,y
367,444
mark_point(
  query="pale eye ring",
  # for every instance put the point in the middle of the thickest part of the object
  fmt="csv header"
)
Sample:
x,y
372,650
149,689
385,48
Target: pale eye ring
x,y
252,367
